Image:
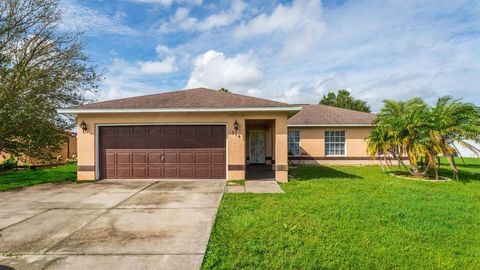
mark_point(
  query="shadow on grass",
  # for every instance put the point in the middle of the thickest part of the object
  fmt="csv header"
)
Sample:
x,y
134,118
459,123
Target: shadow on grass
x,y
464,176
466,165
302,173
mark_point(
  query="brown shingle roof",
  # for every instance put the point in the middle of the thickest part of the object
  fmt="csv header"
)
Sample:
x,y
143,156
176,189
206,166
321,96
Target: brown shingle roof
x,y
185,99
328,115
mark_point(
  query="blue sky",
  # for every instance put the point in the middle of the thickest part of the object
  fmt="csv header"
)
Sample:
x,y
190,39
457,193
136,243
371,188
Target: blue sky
x,y
291,51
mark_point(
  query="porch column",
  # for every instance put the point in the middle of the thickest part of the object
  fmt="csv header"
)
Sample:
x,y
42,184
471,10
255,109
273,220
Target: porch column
x,y
236,149
86,150
281,152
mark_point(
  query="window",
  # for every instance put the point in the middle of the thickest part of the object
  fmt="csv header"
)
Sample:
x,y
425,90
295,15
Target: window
x,y
334,143
294,142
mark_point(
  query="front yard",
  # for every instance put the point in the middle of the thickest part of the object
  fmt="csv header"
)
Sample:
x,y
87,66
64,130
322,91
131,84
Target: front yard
x,y
351,217
22,178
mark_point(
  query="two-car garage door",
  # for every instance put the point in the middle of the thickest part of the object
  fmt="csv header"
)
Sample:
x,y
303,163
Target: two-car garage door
x,y
167,151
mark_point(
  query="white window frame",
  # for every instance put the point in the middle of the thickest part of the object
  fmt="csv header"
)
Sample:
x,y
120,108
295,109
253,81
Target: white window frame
x,y
331,143
299,143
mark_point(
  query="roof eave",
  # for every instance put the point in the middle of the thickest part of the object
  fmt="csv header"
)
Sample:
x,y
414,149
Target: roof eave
x,y
330,125
179,110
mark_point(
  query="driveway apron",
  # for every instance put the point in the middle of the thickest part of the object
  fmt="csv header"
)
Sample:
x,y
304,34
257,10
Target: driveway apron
x,y
109,224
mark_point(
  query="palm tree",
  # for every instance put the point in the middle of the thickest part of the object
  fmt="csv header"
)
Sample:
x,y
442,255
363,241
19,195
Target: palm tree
x,y
422,131
379,143
404,123
453,121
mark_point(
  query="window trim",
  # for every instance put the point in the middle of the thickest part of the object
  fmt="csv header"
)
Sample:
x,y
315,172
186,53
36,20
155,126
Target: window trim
x,y
299,143
325,143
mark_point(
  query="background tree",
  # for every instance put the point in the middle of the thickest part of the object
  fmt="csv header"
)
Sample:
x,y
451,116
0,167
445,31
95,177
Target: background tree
x,y
41,69
343,99
224,90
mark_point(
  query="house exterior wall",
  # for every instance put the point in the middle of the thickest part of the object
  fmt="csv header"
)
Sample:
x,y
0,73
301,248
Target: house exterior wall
x,y
312,145
236,156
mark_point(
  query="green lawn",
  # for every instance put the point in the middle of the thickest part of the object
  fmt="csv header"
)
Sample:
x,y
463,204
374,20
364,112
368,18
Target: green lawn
x,y
351,218
15,179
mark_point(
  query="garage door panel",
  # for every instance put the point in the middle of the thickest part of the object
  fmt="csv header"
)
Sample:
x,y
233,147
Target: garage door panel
x,y
139,172
154,143
108,131
202,172
186,172
170,131
110,158
171,172
123,131
218,157
109,143
202,157
218,137
155,132
171,157
124,158
203,136
139,143
155,172
111,173
218,172
171,143
186,137
218,142
140,131
187,157
155,157
164,151
139,157
124,143
124,172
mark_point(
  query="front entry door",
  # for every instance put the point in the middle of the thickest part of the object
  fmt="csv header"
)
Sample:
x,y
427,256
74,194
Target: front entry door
x,y
257,146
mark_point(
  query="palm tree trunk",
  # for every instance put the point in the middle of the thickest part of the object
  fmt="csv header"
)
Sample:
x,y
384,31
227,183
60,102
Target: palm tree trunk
x,y
386,163
452,164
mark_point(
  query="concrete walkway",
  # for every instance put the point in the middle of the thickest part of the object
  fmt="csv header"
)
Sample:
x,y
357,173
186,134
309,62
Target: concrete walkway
x,y
256,186
108,225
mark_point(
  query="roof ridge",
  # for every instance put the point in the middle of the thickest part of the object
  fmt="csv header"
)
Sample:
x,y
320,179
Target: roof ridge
x,y
180,91
264,99
338,108
141,96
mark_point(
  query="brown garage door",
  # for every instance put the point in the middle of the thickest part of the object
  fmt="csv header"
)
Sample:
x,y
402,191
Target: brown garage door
x,y
171,152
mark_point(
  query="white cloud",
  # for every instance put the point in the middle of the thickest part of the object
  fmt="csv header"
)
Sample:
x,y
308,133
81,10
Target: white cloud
x,y
126,79
181,20
162,49
223,18
298,27
168,3
81,18
375,49
167,65
214,70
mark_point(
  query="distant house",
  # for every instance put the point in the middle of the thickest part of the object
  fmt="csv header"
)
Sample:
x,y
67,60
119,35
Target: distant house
x,y
68,151
208,134
465,152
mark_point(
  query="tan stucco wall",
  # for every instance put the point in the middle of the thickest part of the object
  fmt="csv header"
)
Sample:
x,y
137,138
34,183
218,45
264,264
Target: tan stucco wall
x,y
312,142
235,141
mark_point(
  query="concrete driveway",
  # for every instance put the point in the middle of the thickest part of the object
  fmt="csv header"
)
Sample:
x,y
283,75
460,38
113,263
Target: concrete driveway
x,y
108,225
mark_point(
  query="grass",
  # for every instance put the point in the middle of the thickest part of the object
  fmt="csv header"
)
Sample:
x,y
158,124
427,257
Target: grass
x,y
16,179
351,218
236,183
